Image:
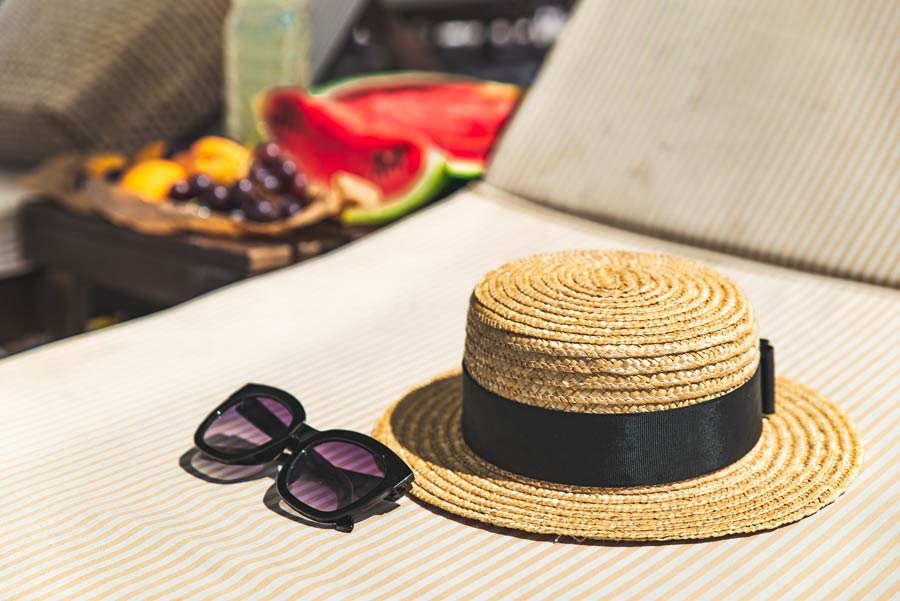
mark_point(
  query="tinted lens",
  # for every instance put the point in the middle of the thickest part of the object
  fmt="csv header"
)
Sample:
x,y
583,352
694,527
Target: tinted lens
x,y
332,475
248,425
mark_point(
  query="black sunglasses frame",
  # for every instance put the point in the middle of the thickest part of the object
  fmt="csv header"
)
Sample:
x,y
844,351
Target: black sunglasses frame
x,y
300,437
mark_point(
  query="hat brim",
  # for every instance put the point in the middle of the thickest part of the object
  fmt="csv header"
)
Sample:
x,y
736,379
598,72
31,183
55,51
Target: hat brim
x,y
807,455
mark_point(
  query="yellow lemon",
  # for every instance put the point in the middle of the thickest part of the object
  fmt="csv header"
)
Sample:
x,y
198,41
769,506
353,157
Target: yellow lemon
x,y
99,165
153,179
223,160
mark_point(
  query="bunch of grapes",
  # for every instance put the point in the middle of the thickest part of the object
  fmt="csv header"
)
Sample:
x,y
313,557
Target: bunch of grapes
x,y
273,189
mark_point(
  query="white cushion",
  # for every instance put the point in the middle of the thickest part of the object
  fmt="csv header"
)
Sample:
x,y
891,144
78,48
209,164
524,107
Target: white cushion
x,y
96,505
765,128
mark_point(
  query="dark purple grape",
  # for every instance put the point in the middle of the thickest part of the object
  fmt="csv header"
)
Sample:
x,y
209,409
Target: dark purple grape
x,y
290,206
190,188
182,191
286,170
243,185
267,153
260,208
240,192
267,211
237,214
201,183
265,179
216,198
298,188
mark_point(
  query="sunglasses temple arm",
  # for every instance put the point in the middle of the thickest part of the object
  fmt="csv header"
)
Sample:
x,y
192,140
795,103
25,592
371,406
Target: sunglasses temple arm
x,y
257,414
345,524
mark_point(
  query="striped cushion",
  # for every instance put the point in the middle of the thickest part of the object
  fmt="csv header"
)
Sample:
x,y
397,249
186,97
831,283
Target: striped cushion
x,y
764,128
12,259
96,506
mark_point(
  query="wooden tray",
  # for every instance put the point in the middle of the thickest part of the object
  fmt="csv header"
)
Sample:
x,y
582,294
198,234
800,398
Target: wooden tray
x,y
58,180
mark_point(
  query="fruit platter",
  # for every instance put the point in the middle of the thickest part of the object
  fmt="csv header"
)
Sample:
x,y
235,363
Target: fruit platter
x,y
215,187
365,151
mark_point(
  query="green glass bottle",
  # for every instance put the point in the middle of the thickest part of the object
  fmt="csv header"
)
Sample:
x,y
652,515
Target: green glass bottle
x,y
267,43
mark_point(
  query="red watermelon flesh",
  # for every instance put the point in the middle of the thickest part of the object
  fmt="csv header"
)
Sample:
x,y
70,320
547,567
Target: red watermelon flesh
x,y
461,116
325,139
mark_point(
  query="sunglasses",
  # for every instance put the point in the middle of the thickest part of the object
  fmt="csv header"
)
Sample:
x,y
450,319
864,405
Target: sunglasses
x,y
327,477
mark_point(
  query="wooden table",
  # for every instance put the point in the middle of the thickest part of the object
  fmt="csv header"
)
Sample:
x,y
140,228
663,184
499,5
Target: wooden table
x,y
81,253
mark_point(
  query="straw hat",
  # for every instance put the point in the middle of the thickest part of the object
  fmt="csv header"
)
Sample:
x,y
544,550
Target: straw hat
x,y
594,382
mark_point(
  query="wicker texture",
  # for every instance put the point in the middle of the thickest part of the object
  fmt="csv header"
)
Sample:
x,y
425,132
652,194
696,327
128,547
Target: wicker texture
x,y
621,332
108,74
609,332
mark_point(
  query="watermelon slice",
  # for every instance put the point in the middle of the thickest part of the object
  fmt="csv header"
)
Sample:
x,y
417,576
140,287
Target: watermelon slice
x,y
461,115
326,139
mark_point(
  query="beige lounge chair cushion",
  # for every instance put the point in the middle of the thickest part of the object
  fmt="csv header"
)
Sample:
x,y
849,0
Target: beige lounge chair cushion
x,y
96,505
765,128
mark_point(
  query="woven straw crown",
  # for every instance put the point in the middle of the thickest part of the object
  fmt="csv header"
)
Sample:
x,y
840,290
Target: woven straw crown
x,y
609,332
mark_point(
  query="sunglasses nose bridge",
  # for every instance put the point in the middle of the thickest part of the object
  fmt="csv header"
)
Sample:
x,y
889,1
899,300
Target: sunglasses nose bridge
x,y
299,438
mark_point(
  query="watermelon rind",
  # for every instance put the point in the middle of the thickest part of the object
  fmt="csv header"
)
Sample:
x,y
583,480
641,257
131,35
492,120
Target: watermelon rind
x,y
463,169
430,184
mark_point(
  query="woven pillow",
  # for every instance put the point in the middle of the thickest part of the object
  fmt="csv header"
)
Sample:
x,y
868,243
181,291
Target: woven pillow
x,y
106,74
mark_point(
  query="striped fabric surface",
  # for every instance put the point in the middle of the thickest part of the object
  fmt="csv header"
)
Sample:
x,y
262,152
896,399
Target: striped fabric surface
x,y
767,128
97,506
12,258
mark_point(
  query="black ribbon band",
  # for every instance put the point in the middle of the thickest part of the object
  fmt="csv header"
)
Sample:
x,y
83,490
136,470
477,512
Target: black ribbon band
x,y
618,449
